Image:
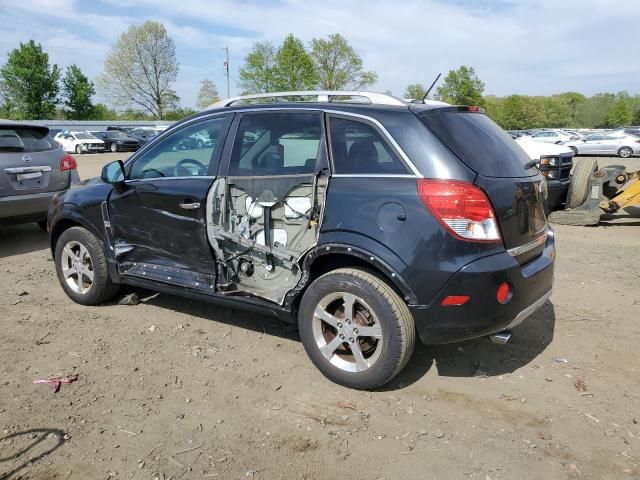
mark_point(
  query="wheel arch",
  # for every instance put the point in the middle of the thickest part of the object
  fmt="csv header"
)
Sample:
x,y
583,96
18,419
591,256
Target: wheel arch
x,y
327,257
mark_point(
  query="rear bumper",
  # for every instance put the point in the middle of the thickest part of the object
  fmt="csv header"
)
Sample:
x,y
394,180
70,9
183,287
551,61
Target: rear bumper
x,y
30,207
531,285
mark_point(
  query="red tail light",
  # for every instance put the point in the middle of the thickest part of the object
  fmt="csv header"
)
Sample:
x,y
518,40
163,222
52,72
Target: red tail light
x,y
68,163
462,208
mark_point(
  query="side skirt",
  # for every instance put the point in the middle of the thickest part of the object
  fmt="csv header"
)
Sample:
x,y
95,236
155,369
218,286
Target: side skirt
x,y
251,304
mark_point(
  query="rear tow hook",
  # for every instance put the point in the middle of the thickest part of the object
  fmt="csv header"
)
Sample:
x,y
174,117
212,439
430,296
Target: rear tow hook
x,y
501,337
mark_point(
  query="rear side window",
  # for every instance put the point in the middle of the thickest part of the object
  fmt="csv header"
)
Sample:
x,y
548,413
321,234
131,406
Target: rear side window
x,y
358,148
25,140
276,144
476,140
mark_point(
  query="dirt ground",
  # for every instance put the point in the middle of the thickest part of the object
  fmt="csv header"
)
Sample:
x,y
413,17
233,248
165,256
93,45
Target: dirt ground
x,y
176,389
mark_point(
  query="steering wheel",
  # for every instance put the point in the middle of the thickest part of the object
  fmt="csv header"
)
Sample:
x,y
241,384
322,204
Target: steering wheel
x,y
183,171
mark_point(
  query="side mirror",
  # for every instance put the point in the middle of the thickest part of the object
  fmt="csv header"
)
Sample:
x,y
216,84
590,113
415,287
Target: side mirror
x,y
113,172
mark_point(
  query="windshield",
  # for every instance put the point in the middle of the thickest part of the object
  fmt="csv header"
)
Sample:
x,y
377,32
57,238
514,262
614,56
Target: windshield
x,y
25,140
84,136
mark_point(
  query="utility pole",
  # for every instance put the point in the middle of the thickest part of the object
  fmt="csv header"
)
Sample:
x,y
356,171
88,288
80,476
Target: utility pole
x,y
226,69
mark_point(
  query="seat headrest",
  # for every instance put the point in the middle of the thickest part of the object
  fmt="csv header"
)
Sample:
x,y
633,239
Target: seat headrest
x,y
362,153
271,162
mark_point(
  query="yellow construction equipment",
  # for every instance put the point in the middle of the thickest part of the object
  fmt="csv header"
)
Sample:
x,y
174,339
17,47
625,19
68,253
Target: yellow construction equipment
x,y
595,192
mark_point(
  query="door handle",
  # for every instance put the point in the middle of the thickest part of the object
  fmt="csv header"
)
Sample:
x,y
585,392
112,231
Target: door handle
x,y
189,205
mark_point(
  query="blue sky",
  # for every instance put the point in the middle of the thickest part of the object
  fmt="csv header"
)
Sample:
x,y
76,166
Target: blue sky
x,y
534,47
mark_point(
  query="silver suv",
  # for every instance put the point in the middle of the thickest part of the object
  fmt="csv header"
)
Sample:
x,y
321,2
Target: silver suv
x,y
33,168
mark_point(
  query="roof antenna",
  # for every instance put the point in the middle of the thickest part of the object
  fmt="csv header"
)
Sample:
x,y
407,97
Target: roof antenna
x,y
431,87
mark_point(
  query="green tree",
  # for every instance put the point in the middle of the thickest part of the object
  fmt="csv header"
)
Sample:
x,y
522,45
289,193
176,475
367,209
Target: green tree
x,y
494,109
619,114
102,112
77,90
257,73
574,101
556,112
520,112
338,66
30,84
294,67
141,69
461,87
208,94
415,91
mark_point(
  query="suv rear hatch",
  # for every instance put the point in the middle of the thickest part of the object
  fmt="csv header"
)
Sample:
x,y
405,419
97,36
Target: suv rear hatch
x,y
516,190
30,161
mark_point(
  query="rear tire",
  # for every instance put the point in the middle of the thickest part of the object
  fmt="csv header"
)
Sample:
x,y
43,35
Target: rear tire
x,y
579,186
380,327
574,150
78,149
625,152
82,267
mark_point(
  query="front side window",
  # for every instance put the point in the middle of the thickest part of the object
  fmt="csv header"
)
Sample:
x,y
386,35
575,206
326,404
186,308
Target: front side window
x,y
358,148
276,144
184,153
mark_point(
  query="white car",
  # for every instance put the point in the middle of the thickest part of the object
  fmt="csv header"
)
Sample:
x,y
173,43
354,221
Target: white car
x,y
623,146
79,142
550,136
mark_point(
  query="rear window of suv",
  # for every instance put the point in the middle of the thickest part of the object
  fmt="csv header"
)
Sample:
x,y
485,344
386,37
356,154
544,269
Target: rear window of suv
x,y
476,140
25,140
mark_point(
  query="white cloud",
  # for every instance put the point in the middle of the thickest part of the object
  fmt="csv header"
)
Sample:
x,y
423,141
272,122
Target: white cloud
x,y
517,46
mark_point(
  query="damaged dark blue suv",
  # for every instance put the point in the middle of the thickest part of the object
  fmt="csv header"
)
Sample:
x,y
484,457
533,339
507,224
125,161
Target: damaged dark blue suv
x,y
365,219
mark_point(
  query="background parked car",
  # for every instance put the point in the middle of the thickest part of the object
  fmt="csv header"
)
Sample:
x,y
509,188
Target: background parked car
x,y
143,134
606,144
573,134
79,142
120,128
550,136
635,131
33,168
117,141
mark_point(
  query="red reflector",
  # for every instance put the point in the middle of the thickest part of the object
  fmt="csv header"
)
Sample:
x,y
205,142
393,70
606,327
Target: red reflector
x,y
68,163
455,300
503,295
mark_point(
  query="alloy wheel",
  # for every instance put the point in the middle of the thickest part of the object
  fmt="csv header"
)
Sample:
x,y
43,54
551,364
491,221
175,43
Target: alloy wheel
x,y
77,267
347,332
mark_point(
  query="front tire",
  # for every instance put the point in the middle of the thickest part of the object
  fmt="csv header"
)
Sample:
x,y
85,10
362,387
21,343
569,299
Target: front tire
x,y
625,152
574,150
114,148
78,149
355,328
82,267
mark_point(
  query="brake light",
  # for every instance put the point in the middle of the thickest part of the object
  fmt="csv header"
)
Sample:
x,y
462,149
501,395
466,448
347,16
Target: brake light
x,y
68,163
462,208
474,108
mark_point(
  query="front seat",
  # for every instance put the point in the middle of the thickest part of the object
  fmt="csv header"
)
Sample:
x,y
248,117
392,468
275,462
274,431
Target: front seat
x,y
362,154
270,163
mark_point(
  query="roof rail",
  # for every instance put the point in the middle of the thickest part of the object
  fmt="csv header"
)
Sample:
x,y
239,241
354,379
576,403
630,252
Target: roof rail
x,y
320,96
